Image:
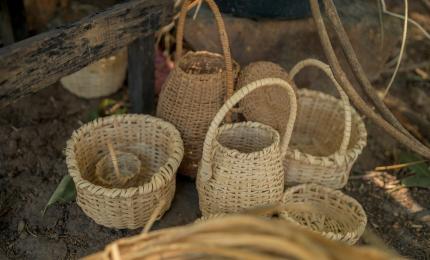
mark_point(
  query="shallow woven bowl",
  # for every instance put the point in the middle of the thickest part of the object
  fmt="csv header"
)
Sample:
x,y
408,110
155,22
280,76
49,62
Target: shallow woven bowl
x,y
313,155
326,211
158,146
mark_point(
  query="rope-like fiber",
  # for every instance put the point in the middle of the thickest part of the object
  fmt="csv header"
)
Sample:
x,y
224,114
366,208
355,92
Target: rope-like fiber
x,y
241,166
356,67
351,92
158,146
236,237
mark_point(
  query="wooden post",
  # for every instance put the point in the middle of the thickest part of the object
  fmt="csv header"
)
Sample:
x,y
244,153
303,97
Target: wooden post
x,y
6,31
141,74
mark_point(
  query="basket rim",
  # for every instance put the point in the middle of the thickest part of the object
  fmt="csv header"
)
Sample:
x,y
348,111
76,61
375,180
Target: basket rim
x,y
337,193
162,177
335,159
232,151
236,66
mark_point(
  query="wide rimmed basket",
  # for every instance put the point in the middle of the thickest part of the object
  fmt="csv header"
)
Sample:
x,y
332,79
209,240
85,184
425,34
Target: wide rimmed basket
x,y
196,89
326,211
270,105
158,146
328,136
241,166
101,78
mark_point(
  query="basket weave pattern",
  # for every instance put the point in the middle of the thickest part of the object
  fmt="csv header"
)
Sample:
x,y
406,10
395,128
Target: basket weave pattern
x,y
270,105
159,148
196,89
326,211
328,136
241,166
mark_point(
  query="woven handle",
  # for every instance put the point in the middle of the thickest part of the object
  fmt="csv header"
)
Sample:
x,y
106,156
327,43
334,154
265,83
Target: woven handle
x,y
347,107
222,34
206,169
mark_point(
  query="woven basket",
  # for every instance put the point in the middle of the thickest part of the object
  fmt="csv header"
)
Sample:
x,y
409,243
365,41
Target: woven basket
x,y
328,136
268,106
326,211
235,237
157,145
196,89
101,78
241,166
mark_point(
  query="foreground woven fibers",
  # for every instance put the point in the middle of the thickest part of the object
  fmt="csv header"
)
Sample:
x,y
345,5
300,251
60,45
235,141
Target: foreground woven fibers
x,y
241,165
196,89
326,211
328,137
156,147
235,237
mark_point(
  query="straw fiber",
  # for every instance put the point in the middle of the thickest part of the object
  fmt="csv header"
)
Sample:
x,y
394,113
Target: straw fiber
x,y
326,211
196,89
236,237
150,142
328,136
99,79
270,105
241,166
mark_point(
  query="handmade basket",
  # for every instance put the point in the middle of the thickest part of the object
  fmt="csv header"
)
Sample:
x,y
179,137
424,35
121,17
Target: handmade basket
x,y
270,105
241,166
236,237
326,211
158,146
101,78
328,136
196,89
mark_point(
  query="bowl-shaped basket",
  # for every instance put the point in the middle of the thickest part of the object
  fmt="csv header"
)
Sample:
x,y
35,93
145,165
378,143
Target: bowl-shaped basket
x,y
158,146
326,211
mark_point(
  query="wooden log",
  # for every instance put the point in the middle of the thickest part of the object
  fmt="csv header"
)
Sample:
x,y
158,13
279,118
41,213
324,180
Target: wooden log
x,y
32,64
141,74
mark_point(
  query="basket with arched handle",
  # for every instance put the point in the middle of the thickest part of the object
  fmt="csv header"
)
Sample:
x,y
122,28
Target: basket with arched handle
x,y
328,135
241,166
196,89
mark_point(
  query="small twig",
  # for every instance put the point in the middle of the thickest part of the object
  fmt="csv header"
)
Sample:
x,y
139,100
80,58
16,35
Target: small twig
x,y
154,216
398,166
114,159
402,49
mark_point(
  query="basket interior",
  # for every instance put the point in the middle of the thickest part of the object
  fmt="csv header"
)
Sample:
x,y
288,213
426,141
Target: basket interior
x,y
319,126
247,139
202,63
151,144
323,212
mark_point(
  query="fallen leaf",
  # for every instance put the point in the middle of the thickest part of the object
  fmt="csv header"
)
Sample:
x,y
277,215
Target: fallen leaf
x,y
64,192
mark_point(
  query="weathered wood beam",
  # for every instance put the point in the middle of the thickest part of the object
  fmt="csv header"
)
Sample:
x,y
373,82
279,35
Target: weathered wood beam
x,y
37,62
141,74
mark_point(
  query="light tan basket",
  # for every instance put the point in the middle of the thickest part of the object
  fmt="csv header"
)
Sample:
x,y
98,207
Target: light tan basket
x,y
328,136
270,105
101,78
236,237
196,89
158,146
326,211
241,166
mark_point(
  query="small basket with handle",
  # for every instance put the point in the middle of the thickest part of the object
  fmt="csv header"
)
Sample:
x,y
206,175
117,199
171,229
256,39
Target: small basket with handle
x,y
241,166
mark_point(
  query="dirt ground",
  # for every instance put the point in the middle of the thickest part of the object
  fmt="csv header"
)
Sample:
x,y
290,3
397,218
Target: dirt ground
x,y
34,131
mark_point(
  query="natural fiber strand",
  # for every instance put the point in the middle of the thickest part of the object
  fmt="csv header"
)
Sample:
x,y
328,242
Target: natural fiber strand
x,y
237,237
353,95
